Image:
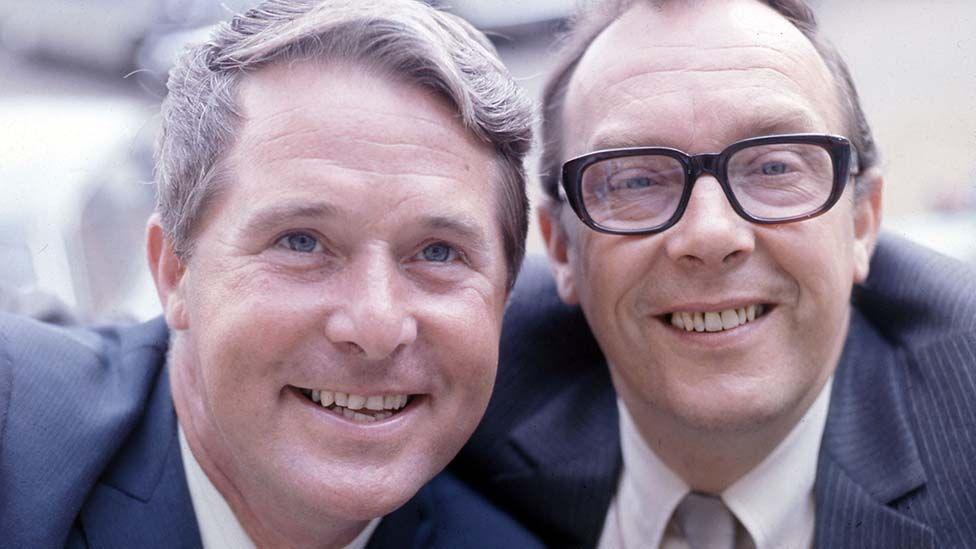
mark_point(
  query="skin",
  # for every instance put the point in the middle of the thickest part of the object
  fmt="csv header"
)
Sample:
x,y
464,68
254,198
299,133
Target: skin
x,y
353,249
698,77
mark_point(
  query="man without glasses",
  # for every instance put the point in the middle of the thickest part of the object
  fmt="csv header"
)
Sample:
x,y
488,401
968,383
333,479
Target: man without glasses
x,y
341,213
713,201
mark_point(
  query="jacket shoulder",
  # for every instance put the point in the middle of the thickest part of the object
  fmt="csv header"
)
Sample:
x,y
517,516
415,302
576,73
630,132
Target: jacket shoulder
x,y
915,295
925,304
68,400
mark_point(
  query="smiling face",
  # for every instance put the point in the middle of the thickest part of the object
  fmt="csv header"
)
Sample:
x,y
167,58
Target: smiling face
x,y
338,322
698,77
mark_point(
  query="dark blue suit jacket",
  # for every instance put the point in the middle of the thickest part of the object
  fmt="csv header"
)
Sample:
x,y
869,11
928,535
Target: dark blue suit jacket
x,y
89,454
897,465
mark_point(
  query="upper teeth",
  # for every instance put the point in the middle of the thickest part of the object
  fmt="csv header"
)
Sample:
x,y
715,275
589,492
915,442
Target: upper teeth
x,y
358,402
716,321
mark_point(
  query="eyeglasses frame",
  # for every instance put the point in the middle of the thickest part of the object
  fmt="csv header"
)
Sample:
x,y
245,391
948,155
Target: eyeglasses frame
x,y
842,153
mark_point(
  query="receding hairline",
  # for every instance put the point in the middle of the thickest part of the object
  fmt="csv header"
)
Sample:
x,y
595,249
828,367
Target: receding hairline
x,y
580,82
589,22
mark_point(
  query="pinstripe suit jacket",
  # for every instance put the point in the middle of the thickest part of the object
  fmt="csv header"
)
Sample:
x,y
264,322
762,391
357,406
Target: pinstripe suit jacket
x,y
897,464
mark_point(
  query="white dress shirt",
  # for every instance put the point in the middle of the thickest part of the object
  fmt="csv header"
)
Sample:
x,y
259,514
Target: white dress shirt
x,y
773,501
219,527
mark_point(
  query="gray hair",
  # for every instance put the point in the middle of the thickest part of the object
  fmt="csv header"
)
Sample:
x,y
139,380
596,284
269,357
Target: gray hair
x,y
587,24
406,38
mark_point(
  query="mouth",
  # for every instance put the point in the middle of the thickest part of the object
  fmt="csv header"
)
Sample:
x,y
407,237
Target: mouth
x,y
716,321
358,408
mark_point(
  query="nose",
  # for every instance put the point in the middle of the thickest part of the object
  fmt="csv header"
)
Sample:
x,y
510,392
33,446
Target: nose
x,y
710,233
373,317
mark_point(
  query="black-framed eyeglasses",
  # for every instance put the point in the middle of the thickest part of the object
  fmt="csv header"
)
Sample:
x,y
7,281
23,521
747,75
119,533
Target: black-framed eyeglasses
x,y
767,180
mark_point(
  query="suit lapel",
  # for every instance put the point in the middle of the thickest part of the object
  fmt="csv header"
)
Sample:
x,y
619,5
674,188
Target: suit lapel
x,y
142,499
868,457
571,447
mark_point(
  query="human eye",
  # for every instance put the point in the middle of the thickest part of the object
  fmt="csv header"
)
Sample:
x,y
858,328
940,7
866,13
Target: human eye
x,y
438,252
776,167
629,183
639,174
300,242
633,183
774,162
771,164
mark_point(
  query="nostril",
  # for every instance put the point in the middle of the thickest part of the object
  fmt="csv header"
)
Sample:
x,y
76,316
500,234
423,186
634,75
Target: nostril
x,y
689,260
732,256
350,347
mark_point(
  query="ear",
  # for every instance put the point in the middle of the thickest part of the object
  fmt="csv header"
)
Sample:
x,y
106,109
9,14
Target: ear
x,y
867,221
559,247
168,274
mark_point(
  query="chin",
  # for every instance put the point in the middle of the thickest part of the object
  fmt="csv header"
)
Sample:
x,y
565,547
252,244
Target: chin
x,y
721,410
356,507
378,492
726,420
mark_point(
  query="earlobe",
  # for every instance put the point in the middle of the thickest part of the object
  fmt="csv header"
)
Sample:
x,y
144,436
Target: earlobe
x,y
168,274
867,222
559,250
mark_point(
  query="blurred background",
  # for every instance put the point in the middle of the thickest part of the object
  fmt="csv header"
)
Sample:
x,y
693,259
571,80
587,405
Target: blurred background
x,y
81,81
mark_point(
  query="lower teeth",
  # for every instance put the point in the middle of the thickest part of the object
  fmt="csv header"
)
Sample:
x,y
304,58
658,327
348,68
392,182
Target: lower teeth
x,y
368,417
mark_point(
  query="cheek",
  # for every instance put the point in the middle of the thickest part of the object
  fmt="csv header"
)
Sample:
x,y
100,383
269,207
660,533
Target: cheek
x,y
592,270
610,275
819,258
468,321
247,327
463,332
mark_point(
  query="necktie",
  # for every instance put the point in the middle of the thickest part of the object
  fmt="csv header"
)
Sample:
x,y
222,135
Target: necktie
x,y
705,522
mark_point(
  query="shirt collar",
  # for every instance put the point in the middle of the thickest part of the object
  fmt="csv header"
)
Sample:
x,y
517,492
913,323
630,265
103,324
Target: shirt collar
x,y
649,491
773,501
218,525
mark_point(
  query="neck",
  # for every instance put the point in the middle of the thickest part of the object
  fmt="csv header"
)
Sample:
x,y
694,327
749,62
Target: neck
x,y
268,520
710,457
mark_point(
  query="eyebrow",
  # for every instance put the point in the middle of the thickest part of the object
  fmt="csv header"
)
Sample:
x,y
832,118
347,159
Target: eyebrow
x,y
792,121
624,141
268,218
765,122
461,226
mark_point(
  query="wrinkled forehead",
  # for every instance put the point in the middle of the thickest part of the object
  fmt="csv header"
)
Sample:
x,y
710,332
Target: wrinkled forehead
x,y
733,68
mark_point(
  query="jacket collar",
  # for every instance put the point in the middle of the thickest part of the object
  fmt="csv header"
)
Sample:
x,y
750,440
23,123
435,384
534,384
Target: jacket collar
x,y
142,499
868,457
571,447
72,405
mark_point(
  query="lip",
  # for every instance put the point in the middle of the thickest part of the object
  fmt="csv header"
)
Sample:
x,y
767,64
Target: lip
x,y
379,428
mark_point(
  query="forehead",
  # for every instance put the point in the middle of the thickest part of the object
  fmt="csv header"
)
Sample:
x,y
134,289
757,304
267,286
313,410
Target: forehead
x,y
358,139
369,119
697,76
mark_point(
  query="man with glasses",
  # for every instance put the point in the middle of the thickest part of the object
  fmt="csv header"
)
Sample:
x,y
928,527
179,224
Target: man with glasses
x,y
712,211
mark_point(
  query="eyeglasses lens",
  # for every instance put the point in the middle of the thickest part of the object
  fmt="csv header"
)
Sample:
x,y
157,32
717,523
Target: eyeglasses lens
x,y
770,182
780,181
633,192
